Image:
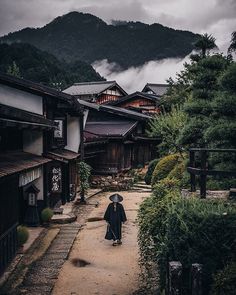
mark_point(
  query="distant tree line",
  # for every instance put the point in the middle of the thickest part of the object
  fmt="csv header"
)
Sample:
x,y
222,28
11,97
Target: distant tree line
x,y
26,61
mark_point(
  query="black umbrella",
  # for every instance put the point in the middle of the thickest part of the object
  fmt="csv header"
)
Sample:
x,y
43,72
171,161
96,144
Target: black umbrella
x,y
116,198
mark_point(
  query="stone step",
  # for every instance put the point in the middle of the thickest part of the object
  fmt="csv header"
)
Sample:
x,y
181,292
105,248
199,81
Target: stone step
x,y
142,185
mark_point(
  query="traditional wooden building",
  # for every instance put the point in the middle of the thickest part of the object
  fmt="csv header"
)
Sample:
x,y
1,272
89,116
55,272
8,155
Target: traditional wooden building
x,y
118,139
99,92
155,89
140,102
40,134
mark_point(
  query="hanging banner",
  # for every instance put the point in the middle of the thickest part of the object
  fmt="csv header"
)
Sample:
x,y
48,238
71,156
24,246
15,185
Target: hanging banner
x,y
56,180
29,176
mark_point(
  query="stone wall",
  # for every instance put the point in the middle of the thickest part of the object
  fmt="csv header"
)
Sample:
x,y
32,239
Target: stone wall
x,y
112,183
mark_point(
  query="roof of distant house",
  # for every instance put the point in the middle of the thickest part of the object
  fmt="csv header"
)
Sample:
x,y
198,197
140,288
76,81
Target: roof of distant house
x,y
115,110
92,88
126,98
157,89
110,128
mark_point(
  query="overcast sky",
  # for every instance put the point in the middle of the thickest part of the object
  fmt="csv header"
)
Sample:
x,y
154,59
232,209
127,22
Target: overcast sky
x,y
216,17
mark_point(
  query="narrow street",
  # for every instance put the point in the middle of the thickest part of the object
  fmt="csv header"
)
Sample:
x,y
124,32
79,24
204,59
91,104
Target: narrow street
x,y
94,266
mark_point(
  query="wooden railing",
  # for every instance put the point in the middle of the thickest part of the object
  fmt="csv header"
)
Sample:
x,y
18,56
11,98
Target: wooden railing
x,y
8,247
203,170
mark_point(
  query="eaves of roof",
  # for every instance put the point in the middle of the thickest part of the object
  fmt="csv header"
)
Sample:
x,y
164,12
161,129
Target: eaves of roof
x,y
38,89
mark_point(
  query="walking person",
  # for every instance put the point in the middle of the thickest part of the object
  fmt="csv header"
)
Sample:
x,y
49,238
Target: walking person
x,y
114,216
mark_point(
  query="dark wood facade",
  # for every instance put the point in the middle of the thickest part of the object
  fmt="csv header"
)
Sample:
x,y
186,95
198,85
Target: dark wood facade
x,y
27,141
140,102
116,143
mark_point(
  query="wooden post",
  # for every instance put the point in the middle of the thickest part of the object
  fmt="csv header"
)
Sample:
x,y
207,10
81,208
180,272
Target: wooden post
x,y
192,176
203,174
196,279
175,278
82,197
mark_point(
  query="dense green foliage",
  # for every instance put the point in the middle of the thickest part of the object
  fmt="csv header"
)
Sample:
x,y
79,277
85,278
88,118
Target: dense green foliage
x,y
151,167
84,171
189,230
167,127
78,36
22,235
164,167
26,61
224,281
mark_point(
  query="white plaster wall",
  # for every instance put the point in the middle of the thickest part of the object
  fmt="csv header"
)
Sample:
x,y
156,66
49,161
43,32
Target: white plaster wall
x,y
73,134
21,99
39,184
86,112
33,142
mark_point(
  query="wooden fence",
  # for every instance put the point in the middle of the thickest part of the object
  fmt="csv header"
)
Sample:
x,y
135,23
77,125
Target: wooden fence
x,y
203,170
8,247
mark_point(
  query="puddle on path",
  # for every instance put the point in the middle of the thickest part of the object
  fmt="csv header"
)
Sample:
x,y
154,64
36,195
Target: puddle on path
x,y
79,262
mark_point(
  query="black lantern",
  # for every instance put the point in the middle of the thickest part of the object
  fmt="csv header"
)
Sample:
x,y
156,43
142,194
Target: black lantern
x,y
32,217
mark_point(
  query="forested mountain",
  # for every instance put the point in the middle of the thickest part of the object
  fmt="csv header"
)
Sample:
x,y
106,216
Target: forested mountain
x,y
40,66
79,36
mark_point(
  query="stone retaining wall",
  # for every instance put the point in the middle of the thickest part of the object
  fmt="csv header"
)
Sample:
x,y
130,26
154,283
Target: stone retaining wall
x,y
109,183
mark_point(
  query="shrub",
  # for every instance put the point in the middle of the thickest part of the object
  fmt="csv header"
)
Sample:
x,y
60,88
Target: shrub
x,y
225,281
164,166
178,171
220,184
151,167
152,229
167,184
22,235
200,231
46,214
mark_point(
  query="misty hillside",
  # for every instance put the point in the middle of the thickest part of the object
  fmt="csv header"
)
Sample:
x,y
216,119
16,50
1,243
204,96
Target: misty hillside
x,y
40,66
79,36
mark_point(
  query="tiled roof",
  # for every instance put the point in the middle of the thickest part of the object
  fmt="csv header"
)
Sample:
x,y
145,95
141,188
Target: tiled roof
x,y
62,154
13,162
158,89
110,128
89,87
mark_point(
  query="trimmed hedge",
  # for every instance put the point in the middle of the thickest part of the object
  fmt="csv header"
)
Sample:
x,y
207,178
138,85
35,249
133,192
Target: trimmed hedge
x,y
22,235
46,214
178,171
151,167
164,167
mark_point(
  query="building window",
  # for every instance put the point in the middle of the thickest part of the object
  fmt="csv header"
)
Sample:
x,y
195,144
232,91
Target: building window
x,y
58,132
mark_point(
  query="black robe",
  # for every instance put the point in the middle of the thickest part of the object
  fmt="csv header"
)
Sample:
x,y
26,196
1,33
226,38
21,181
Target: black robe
x,y
115,219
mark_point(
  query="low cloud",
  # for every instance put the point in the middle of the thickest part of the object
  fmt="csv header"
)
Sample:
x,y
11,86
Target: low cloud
x,y
135,78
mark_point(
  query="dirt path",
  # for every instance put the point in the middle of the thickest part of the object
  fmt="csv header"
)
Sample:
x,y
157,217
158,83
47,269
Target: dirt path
x,y
111,270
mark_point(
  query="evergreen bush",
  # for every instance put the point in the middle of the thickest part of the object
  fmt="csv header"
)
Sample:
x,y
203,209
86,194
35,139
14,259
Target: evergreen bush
x,y
225,281
164,166
189,230
46,214
22,235
151,167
